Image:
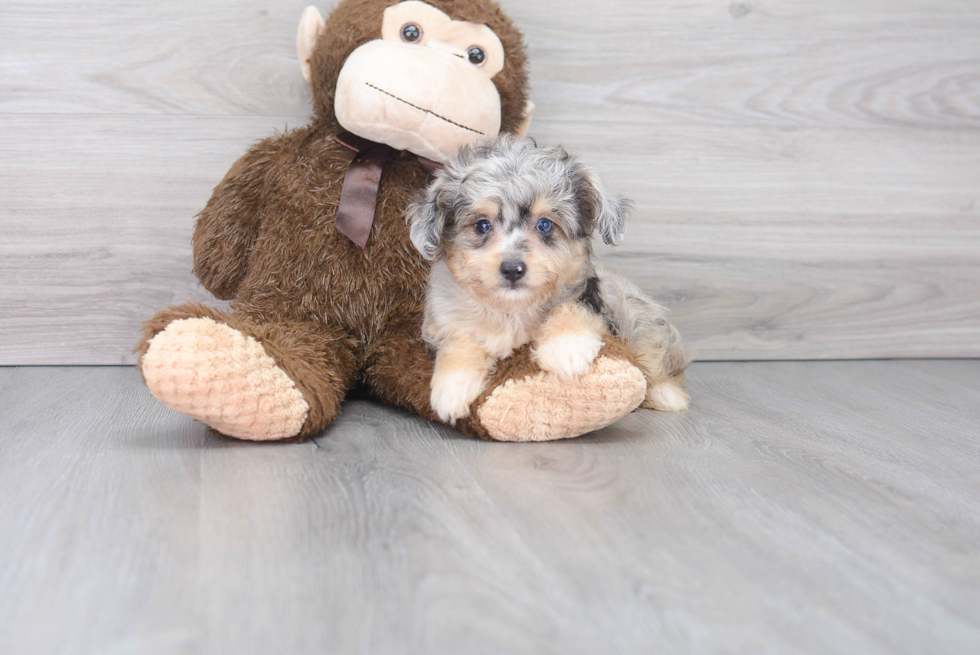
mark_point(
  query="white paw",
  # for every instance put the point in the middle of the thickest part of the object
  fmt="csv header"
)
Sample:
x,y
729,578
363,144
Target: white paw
x,y
667,397
569,356
454,392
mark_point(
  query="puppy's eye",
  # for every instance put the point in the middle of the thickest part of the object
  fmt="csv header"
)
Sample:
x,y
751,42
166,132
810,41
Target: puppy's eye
x,y
476,56
482,226
411,33
545,225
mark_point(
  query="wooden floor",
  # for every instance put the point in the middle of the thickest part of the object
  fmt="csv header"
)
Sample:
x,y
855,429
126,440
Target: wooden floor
x,y
822,507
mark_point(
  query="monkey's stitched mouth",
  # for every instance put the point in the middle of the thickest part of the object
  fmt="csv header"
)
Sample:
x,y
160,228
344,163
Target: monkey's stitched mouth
x,y
431,113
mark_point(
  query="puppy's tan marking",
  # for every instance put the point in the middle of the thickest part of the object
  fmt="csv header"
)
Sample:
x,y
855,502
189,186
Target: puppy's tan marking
x,y
485,207
541,207
477,271
664,358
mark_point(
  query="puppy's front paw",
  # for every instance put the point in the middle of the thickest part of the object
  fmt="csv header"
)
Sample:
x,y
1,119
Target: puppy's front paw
x,y
568,356
454,392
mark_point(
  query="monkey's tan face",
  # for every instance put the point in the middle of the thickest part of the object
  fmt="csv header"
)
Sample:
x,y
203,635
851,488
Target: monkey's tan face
x,y
425,86
515,257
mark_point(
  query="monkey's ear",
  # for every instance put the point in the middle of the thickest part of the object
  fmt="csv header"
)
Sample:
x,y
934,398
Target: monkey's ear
x,y
426,221
610,214
525,125
310,28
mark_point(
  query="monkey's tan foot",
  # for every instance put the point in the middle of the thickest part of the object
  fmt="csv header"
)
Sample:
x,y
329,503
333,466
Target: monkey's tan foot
x,y
217,375
667,396
543,407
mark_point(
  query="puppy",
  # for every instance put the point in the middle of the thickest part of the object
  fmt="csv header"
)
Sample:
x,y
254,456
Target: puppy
x,y
509,227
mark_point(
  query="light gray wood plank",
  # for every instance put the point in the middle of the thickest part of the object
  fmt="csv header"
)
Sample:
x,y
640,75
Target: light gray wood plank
x,y
95,227
757,254
229,57
819,507
803,63
799,63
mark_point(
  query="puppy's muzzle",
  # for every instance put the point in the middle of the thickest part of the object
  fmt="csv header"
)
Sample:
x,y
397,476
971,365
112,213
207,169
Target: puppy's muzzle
x,y
513,271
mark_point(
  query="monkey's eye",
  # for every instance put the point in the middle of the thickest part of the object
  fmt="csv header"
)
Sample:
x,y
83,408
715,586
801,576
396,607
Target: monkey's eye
x,y
544,225
476,56
411,33
482,226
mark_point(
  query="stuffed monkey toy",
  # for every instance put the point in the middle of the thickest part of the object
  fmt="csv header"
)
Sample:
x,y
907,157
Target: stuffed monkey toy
x,y
306,234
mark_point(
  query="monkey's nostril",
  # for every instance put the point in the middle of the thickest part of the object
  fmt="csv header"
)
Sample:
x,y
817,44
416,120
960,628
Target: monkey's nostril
x,y
513,271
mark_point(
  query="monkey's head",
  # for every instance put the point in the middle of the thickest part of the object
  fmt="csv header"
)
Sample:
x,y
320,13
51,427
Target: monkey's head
x,y
427,77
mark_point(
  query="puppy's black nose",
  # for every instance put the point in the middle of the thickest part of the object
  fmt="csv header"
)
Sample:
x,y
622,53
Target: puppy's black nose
x,y
513,271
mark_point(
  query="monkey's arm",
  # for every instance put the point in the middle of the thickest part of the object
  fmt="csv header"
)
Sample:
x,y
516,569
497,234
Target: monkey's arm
x,y
229,224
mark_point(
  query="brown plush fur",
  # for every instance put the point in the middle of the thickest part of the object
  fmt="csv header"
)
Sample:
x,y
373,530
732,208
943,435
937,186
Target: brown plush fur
x,y
331,315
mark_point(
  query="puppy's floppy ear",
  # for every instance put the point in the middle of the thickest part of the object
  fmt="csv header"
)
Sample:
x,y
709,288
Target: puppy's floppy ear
x,y
432,211
427,219
609,214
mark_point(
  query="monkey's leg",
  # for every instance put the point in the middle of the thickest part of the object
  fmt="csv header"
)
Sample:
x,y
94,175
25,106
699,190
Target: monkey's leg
x,y
521,402
399,371
255,382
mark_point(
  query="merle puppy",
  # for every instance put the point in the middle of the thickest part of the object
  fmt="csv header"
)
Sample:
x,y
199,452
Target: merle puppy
x,y
510,228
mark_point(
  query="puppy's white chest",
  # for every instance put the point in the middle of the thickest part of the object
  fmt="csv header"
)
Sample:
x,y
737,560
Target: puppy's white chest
x,y
501,345
506,336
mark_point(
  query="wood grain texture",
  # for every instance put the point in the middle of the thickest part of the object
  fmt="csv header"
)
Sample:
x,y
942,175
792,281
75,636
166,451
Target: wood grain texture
x,y
753,260
802,63
807,173
819,507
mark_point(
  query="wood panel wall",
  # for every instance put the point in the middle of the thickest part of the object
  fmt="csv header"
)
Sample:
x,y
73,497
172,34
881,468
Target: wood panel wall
x,y
807,174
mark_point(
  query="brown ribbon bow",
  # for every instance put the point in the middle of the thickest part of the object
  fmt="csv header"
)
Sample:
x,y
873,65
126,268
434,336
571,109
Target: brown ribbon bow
x,y
359,196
